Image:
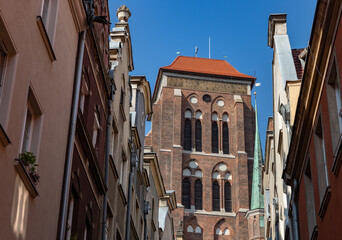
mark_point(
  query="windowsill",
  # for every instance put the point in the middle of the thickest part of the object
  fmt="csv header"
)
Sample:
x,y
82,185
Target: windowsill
x,y
25,177
314,233
122,194
209,154
337,157
325,202
46,39
4,139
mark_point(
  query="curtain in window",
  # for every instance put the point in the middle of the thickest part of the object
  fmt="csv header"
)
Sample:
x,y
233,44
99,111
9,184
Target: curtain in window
x,y
227,197
187,135
198,136
225,134
186,191
198,194
216,196
214,137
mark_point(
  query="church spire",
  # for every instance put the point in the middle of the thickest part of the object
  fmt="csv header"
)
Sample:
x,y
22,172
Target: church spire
x,y
257,197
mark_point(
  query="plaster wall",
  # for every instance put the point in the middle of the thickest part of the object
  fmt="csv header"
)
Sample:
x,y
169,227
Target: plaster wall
x,y
52,84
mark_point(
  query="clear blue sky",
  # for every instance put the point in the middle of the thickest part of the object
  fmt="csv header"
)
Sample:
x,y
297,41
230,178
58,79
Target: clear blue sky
x,y
237,29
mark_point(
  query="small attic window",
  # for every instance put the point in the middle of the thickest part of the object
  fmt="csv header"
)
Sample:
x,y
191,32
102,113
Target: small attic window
x,y
207,98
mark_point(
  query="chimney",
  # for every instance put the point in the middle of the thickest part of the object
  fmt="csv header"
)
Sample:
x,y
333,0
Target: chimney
x,y
123,13
276,26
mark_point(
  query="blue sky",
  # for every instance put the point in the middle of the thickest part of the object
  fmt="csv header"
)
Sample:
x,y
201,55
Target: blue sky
x,y
237,29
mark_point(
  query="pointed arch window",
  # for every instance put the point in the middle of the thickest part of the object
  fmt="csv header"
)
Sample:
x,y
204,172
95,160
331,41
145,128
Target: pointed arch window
x,y
228,197
198,136
187,135
186,191
198,194
225,136
216,196
214,137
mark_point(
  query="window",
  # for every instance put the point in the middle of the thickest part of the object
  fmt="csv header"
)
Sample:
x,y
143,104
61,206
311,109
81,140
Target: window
x,y
32,125
334,107
322,171
227,197
187,135
216,196
225,136
186,191
96,129
198,194
84,93
214,137
49,15
198,133
8,64
310,202
70,216
3,59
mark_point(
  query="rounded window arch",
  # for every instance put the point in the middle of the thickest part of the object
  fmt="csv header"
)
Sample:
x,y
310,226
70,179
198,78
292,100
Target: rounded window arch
x,y
214,116
198,173
188,114
190,229
216,175
198,229
186,172
226,232
225,117
198,114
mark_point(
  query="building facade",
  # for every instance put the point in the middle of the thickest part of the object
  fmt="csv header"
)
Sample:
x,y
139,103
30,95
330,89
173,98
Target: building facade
x,y
287,68
38,49
313,163
202,131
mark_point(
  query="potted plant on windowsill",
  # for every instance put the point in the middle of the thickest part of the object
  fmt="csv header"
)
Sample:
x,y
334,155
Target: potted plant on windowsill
x,y
26,168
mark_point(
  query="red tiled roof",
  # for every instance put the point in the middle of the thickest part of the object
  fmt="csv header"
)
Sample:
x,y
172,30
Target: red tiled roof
x,y
270,124
205,66
298,64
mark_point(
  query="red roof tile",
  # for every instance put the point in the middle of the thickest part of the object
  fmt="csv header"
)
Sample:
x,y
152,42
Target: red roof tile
x,y
298,64
205,66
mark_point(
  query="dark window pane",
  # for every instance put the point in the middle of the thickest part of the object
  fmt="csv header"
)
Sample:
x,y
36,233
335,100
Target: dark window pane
x,y
214,138
225,134
198,194
198,134
186,193
187,135
227,197
216,196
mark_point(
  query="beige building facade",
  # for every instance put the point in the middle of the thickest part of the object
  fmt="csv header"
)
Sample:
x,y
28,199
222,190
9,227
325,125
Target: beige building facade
x,y
287,70
39,42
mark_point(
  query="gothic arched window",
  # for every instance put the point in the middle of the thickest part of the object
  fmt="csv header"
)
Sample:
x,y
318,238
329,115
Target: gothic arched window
x,y
225,138
187,135
227,197
198,194
214,137
216,196
198,136
186,191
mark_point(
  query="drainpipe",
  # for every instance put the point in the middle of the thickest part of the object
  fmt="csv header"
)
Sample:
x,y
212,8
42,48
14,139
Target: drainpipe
x,y
133,162
71,137
146,208
295,211
106,169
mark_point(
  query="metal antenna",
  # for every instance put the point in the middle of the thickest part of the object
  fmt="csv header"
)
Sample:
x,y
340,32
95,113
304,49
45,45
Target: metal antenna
x,y
196,50
209,47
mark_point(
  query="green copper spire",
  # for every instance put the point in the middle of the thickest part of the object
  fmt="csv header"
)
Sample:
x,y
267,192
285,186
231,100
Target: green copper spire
x,y
257,197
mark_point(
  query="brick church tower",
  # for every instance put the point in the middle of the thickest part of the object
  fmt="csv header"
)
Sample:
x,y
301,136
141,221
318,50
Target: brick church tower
x,y
203,133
